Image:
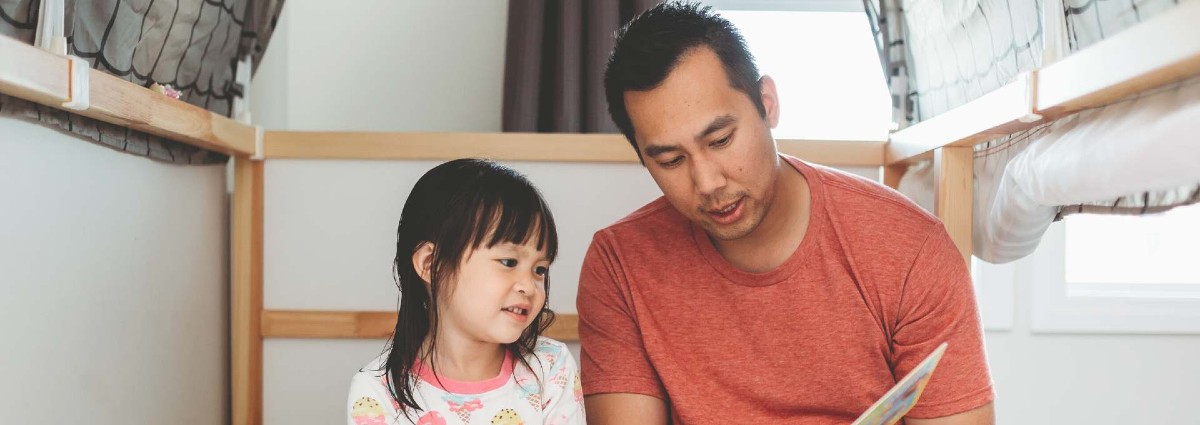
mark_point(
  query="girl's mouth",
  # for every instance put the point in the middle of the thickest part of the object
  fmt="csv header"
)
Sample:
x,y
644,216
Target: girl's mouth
x,y
518,313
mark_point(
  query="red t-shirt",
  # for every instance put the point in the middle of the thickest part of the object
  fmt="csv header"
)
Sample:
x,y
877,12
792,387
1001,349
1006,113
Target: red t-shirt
x,y
875,286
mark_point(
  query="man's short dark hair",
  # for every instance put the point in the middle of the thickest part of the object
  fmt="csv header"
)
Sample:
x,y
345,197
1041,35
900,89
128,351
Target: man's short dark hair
x,y
649,47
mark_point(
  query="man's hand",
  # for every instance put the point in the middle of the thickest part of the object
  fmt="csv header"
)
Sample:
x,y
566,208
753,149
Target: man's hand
x,y
982,415
625,408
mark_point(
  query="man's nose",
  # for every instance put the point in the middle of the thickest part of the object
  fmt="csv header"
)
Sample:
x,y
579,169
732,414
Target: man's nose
x,y
707,176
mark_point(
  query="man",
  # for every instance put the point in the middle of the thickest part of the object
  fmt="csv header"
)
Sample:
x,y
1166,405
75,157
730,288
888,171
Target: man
x,y
759,288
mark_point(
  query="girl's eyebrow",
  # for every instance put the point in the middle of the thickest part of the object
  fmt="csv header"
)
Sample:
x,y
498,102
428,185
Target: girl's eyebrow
x,y
512,248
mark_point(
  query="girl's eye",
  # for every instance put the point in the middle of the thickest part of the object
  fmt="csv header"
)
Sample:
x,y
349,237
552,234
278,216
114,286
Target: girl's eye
x,y
508,262
541,271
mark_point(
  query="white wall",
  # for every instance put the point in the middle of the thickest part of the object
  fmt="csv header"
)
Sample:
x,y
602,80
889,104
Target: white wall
x,y
114,277
384,65
1089,378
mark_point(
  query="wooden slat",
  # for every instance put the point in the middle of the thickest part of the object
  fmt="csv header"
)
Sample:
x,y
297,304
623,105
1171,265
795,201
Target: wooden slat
x,y
835,152
892,174
366,324
246,253
32,74
994,114
438,146
954,181
1161,50
556,147
120,102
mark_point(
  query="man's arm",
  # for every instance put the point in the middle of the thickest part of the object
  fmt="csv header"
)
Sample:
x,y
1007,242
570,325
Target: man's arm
x,y
982,415
626,408
619,383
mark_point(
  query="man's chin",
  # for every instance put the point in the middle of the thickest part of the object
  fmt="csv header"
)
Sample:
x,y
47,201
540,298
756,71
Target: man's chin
x,y
728,232
736,230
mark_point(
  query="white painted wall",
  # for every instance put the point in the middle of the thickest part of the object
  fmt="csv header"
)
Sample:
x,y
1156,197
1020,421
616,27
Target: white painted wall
x,y
330,224
384,65
1089,378
113,272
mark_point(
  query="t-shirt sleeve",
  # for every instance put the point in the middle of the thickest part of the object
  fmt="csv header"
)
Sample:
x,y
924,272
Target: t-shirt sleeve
x,y
613,357
938,305
563,393
369,401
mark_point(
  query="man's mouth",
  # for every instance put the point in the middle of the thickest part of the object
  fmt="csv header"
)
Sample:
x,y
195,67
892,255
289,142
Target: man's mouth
x,y
727,214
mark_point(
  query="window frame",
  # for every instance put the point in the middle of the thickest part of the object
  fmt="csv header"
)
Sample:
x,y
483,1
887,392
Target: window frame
x,y
1104,308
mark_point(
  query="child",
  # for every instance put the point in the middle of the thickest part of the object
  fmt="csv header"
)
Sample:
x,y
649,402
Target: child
x,y
473,250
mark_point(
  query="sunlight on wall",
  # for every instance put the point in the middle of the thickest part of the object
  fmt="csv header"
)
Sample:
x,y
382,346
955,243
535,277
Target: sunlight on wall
x,y
827,71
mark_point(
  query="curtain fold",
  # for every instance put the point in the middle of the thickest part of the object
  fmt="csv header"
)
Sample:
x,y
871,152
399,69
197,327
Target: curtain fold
x,y
554,66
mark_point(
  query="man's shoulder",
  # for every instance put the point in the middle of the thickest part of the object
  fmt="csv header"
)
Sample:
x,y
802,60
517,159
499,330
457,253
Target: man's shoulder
x,y
656,216
869,204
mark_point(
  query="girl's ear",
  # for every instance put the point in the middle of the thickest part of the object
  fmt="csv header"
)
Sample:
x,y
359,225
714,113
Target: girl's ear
x,y
423,261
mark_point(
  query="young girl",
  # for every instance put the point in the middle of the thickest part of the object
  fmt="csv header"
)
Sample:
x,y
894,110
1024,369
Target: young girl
x,y
473,251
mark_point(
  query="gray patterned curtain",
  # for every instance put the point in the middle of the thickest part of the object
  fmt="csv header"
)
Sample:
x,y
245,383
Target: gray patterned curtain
x,y
191,45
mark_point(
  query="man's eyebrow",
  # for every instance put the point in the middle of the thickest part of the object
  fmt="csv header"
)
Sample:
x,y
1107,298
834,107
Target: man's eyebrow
x,y
716,125
656,150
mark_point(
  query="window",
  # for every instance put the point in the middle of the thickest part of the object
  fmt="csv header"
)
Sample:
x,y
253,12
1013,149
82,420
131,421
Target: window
x,y
826,69
1119,274
1156,249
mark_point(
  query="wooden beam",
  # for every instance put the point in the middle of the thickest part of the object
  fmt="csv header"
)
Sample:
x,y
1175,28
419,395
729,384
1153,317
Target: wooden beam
x,y
835,152
368,325
954,180
1161,50
29,73
893,173
445,146
246,261
123,103
554,147
993,115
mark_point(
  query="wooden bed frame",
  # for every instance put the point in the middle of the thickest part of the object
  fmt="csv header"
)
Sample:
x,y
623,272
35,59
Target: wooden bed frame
x,y
1106,71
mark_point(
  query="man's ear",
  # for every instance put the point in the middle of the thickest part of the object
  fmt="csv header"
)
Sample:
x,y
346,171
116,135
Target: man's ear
x,y
422,259
770,99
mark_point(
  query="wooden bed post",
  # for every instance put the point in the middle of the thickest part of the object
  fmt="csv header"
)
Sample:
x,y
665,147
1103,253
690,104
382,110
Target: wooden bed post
x,y
246,291
954,181
892,174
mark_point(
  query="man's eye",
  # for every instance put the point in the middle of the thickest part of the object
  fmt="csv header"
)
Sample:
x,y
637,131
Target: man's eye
x,y
721,143
508,262
541,271
672,163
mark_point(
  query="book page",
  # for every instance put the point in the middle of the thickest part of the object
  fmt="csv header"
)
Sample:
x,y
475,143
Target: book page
x,y
890,408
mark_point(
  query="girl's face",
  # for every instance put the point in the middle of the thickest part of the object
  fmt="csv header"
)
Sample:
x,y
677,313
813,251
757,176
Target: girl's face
x,y
497,293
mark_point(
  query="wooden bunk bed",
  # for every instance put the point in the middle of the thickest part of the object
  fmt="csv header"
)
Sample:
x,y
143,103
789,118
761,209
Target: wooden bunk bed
x,y
948,139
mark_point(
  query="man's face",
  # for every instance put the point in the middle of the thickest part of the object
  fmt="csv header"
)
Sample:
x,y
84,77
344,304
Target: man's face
x,y
707,146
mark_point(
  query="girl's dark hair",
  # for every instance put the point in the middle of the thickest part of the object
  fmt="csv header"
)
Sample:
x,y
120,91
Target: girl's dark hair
x,y
459,206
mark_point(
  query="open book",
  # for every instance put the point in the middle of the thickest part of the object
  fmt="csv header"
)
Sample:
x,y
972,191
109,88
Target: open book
x,y
903,396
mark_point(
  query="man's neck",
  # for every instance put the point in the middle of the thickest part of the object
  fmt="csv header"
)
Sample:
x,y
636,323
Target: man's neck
x,y
781,231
